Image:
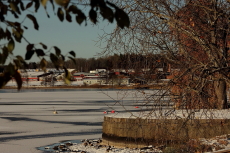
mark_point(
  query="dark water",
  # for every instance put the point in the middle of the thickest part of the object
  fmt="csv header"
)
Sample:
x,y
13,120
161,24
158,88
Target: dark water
x,y
49,148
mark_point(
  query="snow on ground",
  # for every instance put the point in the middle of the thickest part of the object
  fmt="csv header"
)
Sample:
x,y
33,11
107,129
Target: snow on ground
x,y
27,120
176,114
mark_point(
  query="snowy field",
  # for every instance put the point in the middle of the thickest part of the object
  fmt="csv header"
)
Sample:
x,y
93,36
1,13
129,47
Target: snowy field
x,y
28,121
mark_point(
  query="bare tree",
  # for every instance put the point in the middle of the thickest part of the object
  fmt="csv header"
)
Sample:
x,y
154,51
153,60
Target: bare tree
x,y
193,36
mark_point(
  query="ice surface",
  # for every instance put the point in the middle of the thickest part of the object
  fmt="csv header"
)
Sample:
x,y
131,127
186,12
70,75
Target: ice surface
x,y
27,120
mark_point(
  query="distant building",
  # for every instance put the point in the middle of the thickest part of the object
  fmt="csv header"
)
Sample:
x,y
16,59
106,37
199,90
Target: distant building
x,y
98,71
93,81
80,75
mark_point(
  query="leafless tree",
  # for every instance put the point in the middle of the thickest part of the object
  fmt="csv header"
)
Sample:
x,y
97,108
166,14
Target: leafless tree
x,y
192,36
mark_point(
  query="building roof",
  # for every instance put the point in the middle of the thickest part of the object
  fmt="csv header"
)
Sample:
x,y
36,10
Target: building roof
x,y
83,73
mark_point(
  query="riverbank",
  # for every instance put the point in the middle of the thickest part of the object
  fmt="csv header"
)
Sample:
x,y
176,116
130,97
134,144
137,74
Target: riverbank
x,y
219,144
88,87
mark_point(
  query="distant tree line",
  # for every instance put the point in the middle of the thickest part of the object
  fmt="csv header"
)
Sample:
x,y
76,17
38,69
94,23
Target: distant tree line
x,y
133,61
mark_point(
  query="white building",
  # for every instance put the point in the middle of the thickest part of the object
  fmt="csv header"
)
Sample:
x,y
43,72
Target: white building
x,y
93,81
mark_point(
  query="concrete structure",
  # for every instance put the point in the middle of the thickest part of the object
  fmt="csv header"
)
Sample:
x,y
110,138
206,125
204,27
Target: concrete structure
x,y
141,129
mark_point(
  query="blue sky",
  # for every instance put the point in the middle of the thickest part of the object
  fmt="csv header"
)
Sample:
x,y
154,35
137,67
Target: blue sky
x,y
67,36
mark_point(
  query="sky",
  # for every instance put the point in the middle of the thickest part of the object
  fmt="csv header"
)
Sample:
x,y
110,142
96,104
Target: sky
x,y
66,36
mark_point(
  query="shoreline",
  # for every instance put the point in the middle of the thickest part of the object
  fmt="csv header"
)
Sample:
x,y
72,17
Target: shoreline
x,y
86,87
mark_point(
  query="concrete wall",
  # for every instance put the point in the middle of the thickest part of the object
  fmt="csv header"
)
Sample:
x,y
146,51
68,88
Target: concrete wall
x,y
131,132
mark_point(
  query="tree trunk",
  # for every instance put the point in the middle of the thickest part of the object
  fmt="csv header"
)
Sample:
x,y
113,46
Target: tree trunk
x,y
221,94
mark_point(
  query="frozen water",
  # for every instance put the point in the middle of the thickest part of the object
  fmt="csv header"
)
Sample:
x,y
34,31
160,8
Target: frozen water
x,y
27,120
